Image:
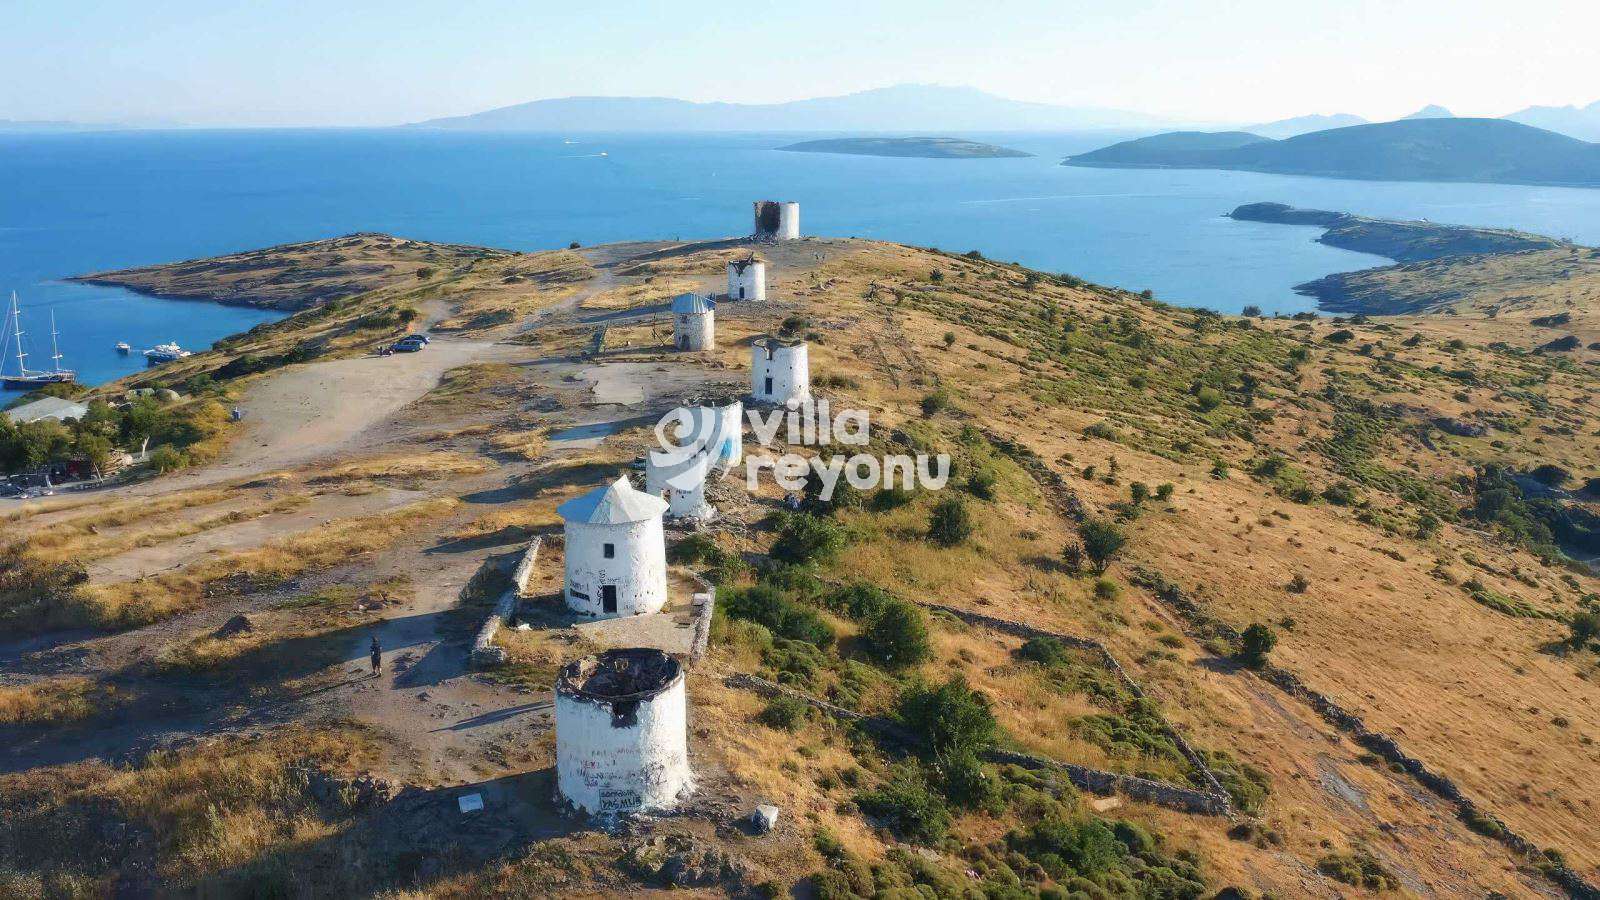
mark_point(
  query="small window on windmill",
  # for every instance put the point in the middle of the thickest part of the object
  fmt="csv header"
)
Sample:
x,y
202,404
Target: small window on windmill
x,y
610,551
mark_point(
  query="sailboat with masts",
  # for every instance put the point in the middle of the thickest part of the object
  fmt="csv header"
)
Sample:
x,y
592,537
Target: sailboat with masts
x,y
27,379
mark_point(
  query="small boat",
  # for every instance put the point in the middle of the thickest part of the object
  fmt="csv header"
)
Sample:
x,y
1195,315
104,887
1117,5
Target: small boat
x,y
163,353
124,348
27,379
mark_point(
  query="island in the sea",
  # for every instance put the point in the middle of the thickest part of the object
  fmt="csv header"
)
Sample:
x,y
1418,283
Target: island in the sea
x,y
1492,151
1440,268
918,147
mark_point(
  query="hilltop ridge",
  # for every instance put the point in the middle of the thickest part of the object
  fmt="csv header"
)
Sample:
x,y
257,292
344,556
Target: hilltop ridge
x,y
1425,149
1399,505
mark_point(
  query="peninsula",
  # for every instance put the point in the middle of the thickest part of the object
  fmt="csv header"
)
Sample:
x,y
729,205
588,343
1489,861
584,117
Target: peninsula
x,y
1453,269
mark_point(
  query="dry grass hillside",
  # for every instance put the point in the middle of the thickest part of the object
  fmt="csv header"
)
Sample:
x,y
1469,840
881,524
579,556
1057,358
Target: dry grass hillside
x,y
1396,502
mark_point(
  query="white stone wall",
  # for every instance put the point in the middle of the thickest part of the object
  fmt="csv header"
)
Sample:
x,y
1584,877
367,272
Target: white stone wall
x,y
694,331
749,282
616,758
787,368
638,567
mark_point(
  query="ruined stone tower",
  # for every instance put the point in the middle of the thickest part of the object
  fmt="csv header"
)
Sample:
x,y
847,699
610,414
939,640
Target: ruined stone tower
x,y
777,220
780,371
622,733
747,279
693,322
616,554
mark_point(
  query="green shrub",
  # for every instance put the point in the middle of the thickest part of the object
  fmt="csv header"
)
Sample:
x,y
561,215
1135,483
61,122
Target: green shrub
x,y
1164,491
1105,431
1585,627
1358,869
783,617
898,635
1102,541
891,498
950,718
1047,651
936,402
1341,493
1257,643
166,458
950,523
804,538
968,785
1139,493
783,713
908,806
1106,589
861,602
983,484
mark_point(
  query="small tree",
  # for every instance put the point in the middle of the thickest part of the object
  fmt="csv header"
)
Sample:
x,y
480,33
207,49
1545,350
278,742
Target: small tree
x,y
1585,628
1258,641
1251,312
1164,491
949,339
898,635
1102,541
97,450
1139,492
950,523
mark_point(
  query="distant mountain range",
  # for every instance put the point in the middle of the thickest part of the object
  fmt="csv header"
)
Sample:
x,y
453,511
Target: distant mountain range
x,y
1411,149
1287,128
906,107
1582,122
1431,111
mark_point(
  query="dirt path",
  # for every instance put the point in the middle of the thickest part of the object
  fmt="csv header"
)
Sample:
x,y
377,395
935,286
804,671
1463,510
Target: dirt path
x,y
175,554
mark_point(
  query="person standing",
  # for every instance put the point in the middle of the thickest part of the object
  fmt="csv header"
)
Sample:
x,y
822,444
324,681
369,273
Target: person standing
x,y
377,657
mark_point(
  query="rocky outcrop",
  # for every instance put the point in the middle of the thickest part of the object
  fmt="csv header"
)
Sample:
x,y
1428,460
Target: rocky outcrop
x,y
684,861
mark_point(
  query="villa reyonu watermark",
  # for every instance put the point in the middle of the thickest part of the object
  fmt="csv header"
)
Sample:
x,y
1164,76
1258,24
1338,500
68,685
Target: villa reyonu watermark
x,y
692,440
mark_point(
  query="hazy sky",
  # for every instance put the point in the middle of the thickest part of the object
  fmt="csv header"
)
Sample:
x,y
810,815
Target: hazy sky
x,y
366,62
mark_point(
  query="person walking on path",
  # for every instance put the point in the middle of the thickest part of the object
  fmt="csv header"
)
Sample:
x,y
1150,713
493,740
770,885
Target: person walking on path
x,y
377,657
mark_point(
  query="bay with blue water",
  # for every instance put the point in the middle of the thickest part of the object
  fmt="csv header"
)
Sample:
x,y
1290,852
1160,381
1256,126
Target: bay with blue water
x,y
75,203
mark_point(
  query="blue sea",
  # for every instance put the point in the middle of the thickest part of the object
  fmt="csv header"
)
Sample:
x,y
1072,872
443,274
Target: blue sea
x,y
77,203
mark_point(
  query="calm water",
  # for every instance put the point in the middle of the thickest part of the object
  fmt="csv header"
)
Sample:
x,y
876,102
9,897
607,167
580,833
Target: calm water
x,y
78,203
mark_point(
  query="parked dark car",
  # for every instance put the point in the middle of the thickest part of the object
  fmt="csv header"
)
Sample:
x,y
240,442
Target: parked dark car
x,y
409,344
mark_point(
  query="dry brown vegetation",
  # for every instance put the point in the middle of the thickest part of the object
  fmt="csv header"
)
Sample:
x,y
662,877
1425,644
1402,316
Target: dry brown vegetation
x,y
1322,484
